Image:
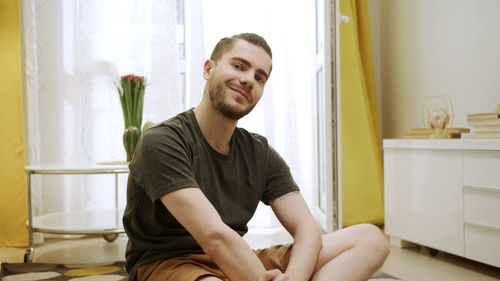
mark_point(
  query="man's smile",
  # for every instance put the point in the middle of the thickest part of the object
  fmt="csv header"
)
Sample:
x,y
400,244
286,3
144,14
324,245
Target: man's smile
x,y
240,91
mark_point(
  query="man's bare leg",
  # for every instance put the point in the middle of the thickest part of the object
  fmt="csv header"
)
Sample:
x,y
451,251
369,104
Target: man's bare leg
x,y
351,254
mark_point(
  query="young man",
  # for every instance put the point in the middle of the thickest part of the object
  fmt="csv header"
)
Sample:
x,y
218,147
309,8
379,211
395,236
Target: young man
x,y
196,180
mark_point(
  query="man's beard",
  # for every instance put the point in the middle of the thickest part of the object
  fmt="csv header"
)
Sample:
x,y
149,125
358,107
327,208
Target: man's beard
x,y
216,94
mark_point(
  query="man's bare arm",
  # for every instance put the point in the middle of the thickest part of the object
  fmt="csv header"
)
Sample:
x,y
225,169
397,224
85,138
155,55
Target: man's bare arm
x,y
293,213
228,250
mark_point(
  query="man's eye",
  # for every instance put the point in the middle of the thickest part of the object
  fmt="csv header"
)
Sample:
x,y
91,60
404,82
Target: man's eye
x,y
237,66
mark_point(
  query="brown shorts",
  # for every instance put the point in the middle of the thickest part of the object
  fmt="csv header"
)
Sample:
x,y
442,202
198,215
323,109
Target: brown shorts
x,y
193,266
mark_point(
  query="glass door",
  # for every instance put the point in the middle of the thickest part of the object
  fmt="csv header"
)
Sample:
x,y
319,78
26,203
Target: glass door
x,y
327,192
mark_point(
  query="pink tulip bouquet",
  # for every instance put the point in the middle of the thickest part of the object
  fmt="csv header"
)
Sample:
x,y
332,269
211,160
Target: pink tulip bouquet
x,y
132,99
131,91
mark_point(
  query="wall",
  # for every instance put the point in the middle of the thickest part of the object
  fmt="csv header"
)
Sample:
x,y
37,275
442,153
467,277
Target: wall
x,y
13,231
435,47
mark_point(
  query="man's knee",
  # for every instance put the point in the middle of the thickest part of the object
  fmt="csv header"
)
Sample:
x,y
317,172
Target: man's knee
x,y
373,240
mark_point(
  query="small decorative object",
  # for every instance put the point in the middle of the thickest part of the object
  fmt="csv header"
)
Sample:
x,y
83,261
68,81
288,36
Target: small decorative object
x,y
146,126
437,114
131,91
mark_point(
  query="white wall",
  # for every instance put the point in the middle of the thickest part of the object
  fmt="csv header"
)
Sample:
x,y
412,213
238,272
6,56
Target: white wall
x,y
435,47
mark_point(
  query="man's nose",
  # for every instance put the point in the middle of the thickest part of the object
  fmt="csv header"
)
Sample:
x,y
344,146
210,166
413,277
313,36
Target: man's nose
x,y
247,78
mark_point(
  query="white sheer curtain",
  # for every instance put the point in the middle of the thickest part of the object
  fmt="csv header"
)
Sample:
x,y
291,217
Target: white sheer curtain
x,y
285,113
74,53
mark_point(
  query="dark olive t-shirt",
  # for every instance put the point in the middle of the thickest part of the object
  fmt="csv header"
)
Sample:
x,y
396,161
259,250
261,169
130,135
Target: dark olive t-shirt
x,y
175,155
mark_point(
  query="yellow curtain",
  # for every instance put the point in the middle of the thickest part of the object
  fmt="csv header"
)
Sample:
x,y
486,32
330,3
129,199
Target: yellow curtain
x,y
361,164
13,210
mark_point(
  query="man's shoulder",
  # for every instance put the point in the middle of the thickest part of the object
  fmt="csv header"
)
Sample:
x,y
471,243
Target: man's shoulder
x,y
176,130
179,122
251,137
251,144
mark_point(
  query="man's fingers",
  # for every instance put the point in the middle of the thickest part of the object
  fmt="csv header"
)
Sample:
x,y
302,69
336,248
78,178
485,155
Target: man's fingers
x,y
270,275
274,275
282,277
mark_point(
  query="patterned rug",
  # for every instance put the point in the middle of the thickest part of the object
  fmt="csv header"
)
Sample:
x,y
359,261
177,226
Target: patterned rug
x,y
59,272
102,272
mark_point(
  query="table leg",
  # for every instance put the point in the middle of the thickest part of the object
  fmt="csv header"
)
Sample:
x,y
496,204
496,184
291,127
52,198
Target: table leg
x,y
28,256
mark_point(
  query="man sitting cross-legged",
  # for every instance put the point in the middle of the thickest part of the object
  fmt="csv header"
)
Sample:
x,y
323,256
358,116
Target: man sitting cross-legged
x,y
196,180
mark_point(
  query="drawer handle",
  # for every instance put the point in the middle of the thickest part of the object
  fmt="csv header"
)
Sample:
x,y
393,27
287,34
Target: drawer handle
x,y
482,226
483,188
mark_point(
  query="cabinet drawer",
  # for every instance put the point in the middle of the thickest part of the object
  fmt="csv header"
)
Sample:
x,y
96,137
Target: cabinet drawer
x,y
482,244
481,168
482,206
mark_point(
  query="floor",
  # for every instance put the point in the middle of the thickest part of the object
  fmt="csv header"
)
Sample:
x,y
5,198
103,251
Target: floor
x,y
414,264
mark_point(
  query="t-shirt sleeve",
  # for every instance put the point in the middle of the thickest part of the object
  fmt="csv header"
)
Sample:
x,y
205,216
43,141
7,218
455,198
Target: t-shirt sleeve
x,y
162,162
279,180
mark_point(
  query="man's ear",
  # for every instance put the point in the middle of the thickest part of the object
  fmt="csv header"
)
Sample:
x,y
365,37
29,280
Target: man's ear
x,y
208,68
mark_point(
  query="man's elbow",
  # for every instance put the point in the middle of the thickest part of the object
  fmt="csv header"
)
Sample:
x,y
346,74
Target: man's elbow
x,y
213,241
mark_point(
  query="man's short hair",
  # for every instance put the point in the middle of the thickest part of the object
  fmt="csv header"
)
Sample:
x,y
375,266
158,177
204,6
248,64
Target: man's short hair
x,y
225,44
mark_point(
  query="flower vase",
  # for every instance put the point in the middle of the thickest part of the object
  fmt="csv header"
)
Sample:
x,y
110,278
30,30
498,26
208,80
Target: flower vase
x,y
131,91
130,138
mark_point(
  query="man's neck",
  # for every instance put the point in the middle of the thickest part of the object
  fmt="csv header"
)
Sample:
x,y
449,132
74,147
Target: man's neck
x,y
216,128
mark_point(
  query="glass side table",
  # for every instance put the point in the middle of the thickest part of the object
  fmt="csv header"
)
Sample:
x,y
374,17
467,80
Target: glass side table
x,y
107,222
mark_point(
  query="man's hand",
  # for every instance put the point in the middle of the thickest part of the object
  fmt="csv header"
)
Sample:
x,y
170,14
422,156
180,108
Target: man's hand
x,y
274,275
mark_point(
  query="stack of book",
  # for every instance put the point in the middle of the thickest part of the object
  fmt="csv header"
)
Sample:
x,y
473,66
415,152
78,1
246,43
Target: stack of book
x,y
424,133
485,125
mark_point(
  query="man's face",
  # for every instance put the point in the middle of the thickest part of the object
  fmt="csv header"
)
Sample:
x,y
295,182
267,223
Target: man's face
x,y
236,81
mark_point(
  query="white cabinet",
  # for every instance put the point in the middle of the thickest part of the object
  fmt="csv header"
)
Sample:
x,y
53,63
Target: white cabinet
x,y
445,194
